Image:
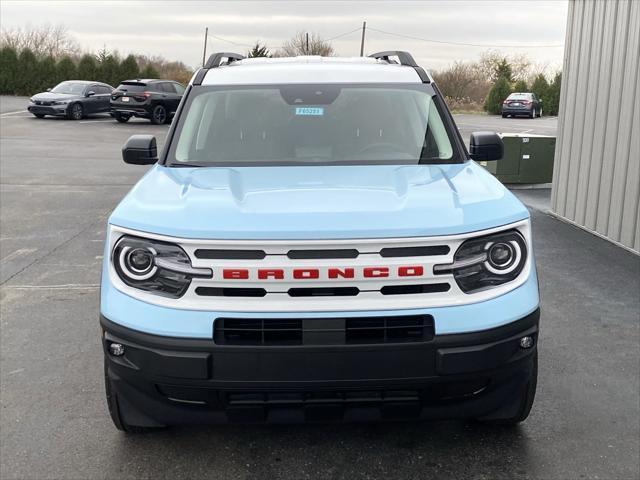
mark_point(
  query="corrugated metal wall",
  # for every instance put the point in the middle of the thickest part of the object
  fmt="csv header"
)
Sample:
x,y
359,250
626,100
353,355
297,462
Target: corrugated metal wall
x,y
596,177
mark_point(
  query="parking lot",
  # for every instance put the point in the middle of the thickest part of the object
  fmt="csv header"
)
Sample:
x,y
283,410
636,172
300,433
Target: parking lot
x,y
59,181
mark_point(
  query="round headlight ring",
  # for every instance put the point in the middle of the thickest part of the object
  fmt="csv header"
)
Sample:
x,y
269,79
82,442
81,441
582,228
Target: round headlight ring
x,y
137,273
505,265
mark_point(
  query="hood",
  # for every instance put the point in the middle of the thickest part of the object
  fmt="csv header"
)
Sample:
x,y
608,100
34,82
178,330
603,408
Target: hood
x,y
323,202
50,96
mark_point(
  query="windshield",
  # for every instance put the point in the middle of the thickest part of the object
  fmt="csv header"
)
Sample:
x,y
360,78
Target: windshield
x,y
71,88
133,87
311,125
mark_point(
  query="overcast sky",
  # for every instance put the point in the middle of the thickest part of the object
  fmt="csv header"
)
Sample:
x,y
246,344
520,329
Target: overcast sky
x,y
175,29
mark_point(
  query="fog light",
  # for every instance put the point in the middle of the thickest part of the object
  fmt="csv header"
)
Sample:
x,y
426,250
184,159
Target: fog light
x,y
117,349
526,342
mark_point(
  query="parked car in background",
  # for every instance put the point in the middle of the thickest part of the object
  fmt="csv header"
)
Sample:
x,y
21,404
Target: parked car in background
x,y
156,100
73,99
522,104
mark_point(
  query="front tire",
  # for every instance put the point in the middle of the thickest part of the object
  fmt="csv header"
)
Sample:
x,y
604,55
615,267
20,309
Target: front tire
x,y
504,115
540,112
159,115
75,112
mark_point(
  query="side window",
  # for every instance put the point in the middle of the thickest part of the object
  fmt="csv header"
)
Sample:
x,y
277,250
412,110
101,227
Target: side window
x,y
156,87
179,88
167,87
102,90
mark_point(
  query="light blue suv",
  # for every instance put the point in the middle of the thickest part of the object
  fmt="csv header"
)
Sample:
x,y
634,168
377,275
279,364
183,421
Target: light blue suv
x,y
315,243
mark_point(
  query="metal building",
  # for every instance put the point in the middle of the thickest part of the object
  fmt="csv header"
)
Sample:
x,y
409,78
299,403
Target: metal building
x,y
596,178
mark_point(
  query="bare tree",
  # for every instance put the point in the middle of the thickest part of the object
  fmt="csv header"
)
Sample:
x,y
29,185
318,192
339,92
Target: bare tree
x,y
305,44
492,62
44,40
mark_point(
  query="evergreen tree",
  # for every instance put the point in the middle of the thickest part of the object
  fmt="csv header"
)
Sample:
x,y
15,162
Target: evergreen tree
x,y
26,83
128,69
553,95
66,69
149,72
500,90
520,87
258,51
108,70
87,68
8,71
503,70
46,76
540,87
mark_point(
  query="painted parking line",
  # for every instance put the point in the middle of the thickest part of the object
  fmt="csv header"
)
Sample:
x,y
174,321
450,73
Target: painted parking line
x,y
98,120
6,114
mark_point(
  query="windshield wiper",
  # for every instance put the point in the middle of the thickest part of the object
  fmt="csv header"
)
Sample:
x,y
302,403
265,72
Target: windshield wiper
x,y
185,165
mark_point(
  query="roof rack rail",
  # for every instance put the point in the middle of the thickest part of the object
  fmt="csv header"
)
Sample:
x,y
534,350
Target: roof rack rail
x,y
405,59
214,61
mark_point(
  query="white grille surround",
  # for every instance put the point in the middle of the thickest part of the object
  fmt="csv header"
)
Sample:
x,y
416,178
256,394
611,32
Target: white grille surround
x,y
277,297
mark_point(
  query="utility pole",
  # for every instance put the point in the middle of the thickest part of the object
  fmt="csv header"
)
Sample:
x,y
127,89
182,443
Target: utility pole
x,y
306,50
204,51
364,27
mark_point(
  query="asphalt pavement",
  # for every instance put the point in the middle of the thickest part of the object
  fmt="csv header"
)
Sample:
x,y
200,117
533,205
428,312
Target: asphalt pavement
x,y
60,179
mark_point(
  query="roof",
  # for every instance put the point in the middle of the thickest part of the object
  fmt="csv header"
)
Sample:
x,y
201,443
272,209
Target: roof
x,y
310,69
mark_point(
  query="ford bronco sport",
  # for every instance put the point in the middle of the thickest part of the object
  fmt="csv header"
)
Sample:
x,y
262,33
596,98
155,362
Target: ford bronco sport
x,y
315,243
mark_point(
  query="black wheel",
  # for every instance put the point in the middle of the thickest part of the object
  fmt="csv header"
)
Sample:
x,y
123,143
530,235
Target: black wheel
x,y
122,118
540,112
504,115
114,410
75,112
159,115
525,401
38,115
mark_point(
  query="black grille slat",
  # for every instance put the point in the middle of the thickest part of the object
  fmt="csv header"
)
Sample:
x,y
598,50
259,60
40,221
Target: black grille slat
x,y
323,254
324,292
426,251
415,289
230,292
229,254
323,331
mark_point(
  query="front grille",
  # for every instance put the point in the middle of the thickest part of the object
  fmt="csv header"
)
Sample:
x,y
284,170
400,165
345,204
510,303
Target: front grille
x,y
398,402
323,331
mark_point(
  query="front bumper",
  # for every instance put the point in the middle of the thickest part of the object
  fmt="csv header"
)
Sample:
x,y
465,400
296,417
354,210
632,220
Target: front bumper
x,y
48,110
169,381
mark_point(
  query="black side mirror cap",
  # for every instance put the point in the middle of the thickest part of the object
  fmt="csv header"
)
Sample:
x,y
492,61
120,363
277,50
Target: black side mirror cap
x,y
90,93
140,150
486,146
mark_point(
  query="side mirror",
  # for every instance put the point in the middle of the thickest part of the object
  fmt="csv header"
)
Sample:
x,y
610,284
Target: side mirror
x,y
486,146
49,89
90,93
140,150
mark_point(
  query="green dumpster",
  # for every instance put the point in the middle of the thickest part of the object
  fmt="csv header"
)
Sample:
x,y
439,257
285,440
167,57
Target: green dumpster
x,y
527,159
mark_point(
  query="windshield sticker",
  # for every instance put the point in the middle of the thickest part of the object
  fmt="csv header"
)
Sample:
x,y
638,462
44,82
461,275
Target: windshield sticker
x,y
313,111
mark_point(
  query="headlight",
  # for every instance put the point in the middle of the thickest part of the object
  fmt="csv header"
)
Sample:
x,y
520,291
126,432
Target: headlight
x,y
60,102
485,262
154,266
